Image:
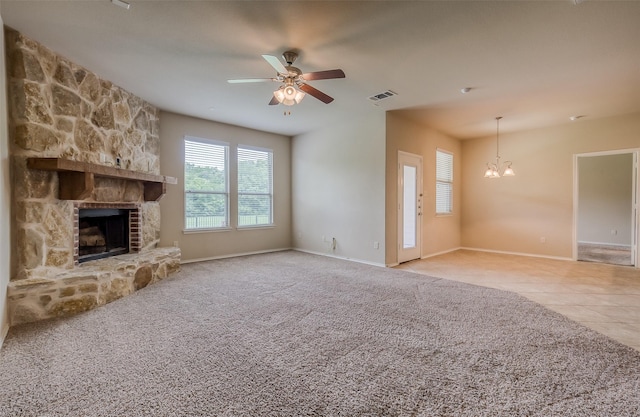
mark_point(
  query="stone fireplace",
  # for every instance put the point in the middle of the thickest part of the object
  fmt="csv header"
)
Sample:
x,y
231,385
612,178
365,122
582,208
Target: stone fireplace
x,y
86,180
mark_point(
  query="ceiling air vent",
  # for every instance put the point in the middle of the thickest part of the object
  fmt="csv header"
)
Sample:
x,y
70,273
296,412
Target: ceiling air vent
x,y
382,96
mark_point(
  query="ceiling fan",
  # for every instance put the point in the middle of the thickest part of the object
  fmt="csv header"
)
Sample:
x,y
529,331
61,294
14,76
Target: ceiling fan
x,y
291,77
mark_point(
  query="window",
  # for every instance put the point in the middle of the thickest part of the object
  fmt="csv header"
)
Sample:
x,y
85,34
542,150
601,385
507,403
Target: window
x,y
444,182
255,186
206,184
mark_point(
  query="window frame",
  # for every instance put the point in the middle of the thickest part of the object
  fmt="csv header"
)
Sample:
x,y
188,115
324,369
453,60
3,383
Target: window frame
x,y
270,194
441,181
226,193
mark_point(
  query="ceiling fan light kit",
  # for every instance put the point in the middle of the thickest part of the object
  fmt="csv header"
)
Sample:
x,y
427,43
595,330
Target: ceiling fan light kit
x,y
294,81
288,95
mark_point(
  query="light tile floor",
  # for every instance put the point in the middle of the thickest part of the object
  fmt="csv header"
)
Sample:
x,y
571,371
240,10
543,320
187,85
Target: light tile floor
x,y
605,298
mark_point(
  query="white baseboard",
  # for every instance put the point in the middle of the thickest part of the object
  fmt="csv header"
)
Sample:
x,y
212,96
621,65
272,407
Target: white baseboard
x,y
233,255
531,255
328,255
431,255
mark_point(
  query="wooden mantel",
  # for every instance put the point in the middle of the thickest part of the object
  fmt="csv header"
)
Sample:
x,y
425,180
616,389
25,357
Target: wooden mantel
x,y
76,179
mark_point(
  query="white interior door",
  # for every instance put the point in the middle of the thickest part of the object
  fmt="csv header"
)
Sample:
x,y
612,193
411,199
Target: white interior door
x,y
409,206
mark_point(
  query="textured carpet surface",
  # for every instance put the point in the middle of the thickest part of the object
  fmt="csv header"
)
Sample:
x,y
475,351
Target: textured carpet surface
x,y
292,334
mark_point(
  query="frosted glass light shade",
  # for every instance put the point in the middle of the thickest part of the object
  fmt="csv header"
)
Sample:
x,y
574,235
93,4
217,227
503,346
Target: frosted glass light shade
x,y
508,172
288,95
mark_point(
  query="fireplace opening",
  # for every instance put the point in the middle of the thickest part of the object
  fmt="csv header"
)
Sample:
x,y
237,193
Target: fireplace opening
x,y
102,233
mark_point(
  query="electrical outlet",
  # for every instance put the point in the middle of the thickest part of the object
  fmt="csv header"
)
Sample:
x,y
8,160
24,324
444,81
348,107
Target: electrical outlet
x,y
376,245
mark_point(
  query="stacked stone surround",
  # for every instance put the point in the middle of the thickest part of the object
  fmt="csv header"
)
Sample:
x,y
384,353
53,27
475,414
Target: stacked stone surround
x,y
60,109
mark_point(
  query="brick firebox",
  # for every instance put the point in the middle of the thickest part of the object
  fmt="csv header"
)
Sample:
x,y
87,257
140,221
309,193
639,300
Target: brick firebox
x,y
135,224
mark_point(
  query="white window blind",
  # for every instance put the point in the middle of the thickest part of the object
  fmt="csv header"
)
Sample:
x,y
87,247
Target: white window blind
x,y
444,182
255,186
206,184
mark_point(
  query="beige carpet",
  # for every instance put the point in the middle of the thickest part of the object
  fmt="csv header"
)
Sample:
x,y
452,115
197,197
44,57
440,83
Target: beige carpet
x,y
292,334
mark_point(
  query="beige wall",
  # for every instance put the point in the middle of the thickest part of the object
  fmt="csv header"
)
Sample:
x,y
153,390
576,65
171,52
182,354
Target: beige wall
x,y
5,194
513,214
439,233
338,188
206,245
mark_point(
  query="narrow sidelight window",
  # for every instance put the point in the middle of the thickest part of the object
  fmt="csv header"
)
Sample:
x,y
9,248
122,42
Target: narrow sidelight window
x,y
444,182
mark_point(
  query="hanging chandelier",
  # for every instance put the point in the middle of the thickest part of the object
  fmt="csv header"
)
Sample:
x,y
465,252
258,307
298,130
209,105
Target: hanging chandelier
x,y
494,169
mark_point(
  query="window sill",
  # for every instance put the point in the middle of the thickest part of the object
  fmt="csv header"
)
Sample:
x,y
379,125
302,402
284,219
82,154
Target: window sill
x,y
262,226
444,214
217,229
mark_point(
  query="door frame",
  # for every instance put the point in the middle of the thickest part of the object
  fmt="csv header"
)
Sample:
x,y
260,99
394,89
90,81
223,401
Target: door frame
x,y
419,208
635,220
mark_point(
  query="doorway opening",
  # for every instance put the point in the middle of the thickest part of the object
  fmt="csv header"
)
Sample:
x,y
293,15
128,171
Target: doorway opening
x,y
606,213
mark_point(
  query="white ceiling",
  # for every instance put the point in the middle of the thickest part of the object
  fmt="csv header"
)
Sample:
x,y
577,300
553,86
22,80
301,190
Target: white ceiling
x,y
534,63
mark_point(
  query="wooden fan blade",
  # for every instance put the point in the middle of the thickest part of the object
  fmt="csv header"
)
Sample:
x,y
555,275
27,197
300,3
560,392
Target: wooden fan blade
x,y
250,80
274,101
323,75
316,93
276,64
